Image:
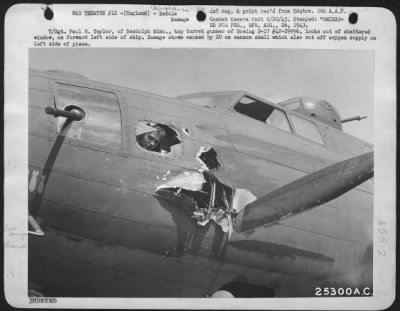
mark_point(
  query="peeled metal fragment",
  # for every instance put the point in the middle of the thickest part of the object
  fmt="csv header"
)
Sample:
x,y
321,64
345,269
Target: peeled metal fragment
x,y
189,180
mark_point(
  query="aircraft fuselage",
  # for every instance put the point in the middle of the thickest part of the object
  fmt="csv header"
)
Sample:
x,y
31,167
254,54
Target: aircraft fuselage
x,y
110,233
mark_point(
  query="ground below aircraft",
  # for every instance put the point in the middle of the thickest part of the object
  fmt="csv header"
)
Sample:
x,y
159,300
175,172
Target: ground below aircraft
x,y
244,197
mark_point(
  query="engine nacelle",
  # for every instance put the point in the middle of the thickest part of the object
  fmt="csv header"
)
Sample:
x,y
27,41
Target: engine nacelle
x,y
315,108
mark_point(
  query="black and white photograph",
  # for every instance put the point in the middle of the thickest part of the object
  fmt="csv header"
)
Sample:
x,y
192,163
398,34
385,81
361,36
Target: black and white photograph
x,y
164,156
200,172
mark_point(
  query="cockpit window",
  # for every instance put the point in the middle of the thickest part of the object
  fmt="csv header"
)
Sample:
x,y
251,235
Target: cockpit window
x,y
263,112
292,104
158,138
306,129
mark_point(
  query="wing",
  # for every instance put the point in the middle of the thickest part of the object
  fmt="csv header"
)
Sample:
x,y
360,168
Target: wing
x,y
306,192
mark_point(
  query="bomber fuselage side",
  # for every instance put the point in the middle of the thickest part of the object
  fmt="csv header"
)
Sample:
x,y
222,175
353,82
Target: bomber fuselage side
x,y
108,232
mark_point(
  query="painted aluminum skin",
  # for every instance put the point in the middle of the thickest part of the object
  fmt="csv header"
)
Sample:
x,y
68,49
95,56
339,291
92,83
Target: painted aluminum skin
x,y
112,230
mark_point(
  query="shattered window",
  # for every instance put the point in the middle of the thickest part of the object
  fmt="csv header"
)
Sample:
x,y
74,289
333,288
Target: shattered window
x,y
263,112
158,138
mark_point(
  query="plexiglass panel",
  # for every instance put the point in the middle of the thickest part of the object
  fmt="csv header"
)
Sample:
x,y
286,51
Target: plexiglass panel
x,y
306,129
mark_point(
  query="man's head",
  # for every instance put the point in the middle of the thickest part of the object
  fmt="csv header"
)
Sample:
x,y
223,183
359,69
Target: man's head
x,y
151,140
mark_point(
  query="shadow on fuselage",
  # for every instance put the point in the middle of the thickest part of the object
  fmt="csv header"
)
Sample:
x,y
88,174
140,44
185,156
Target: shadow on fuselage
x,y
208,240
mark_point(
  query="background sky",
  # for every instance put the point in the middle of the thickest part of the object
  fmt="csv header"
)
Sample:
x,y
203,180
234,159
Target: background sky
x,y
344,78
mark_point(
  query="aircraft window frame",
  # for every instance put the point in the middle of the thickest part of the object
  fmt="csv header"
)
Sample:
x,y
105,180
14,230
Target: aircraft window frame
x,y
274,108
292,104
122,149
174,143
314,126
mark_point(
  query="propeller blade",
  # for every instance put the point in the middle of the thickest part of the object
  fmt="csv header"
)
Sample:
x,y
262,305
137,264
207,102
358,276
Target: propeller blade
x,y
306,192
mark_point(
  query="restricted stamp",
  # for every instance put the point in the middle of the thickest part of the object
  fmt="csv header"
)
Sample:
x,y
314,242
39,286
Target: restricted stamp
x,y
199,152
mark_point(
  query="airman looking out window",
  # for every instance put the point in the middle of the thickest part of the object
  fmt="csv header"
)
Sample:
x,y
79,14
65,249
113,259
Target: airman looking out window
x,y
156,137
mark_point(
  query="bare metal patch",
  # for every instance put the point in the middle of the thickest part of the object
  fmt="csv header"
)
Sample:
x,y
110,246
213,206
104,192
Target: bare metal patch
x,y
189,180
